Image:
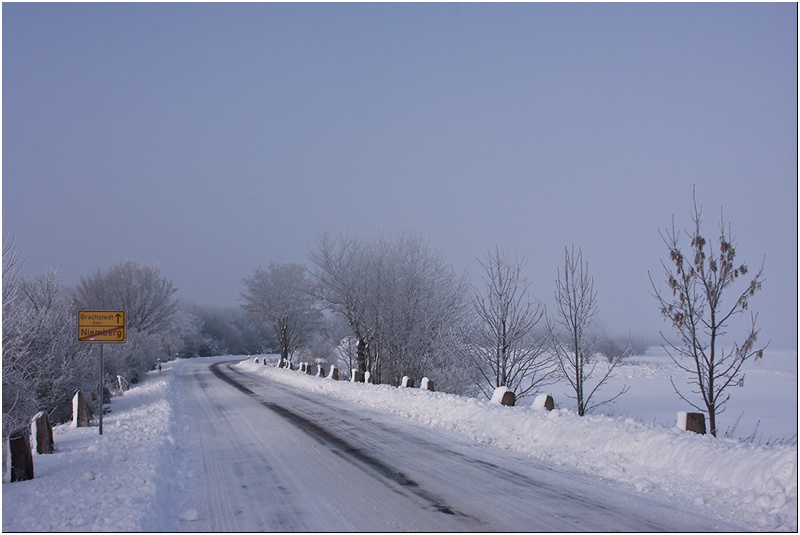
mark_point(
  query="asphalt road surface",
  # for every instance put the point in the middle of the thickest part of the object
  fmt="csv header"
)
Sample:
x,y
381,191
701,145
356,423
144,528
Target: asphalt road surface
x,y
275,459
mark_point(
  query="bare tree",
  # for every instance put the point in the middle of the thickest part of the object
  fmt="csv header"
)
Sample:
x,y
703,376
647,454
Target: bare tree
x,y
282,296
502,341
569,332
694,304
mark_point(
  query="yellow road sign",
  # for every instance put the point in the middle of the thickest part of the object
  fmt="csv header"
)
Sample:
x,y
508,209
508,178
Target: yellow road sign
x,y
101,325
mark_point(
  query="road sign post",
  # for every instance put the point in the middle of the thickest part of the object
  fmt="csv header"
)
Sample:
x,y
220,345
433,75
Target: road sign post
x,y
103,326
100,389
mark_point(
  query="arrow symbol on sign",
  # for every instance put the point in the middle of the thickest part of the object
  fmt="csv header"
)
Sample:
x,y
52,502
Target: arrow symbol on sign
x,y
118,317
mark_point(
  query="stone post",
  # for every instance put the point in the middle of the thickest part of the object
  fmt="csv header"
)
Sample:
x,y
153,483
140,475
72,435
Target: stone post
x,y
692,421
504,396
42,432
19,447
544,401
81,413
356,376
123,383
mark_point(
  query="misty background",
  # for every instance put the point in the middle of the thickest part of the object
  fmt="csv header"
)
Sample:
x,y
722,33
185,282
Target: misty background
x,y
216,138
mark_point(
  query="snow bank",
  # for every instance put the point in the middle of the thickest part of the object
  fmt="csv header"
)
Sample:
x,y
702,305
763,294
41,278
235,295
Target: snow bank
x,y
93,482
138,474
758,483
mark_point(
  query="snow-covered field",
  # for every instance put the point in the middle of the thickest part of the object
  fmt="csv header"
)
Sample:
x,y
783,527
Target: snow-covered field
x,y
137,475
763,410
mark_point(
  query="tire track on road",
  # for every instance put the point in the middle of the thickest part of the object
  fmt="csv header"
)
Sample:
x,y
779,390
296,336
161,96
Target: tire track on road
x,y
500,490
236,509
343,448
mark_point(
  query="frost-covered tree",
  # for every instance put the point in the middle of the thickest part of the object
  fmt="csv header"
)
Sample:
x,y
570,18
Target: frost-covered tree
x,y
700,303
421,304
503,339
62,363
217,330
43,363
282,297
153,331
614,348
344,286
569,331
18,398
401,301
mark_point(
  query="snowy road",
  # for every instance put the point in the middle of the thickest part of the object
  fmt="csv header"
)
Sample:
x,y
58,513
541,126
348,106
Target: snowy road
x,y
273,458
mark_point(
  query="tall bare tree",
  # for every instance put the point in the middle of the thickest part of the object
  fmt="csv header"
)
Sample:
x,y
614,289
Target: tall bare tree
x,y
700,303
502,341
571,340
282,296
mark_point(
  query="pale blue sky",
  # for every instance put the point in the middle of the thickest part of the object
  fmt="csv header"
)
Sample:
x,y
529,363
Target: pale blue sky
x,y
214,138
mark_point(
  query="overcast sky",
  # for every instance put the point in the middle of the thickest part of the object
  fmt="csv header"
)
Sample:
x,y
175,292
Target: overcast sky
x,y
216,138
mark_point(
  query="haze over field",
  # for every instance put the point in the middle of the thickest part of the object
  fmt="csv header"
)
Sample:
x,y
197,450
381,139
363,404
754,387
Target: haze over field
x,y
214,138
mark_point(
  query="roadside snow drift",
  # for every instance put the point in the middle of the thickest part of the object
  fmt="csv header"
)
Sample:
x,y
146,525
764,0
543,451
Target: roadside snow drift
x,y
94,482
136,476
757,481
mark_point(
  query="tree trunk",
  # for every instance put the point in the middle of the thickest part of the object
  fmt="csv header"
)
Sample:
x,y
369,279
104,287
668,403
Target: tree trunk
x,y
361,355
712,421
